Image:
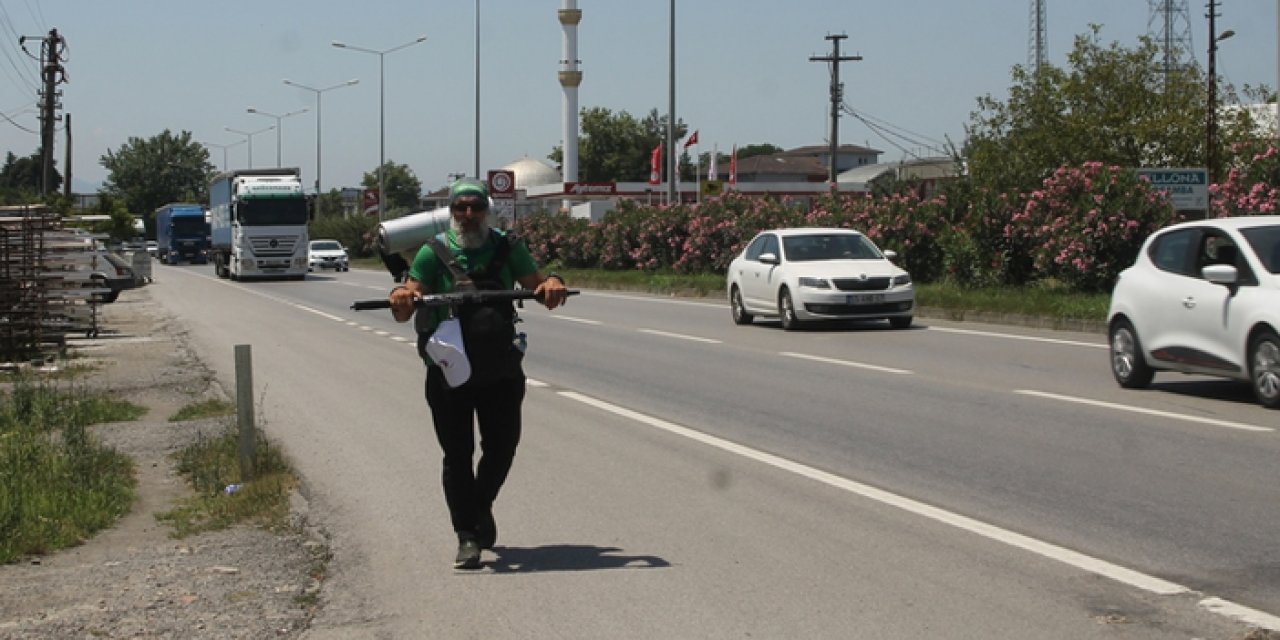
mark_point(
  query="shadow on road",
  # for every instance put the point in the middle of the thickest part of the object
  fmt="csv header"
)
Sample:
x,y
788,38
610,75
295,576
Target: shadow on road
x,y
568,557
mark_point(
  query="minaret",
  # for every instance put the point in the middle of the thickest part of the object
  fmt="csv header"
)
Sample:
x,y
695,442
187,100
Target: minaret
x,y
570,78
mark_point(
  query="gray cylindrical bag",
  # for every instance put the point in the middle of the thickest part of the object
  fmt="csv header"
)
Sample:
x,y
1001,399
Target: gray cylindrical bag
x,y
412,231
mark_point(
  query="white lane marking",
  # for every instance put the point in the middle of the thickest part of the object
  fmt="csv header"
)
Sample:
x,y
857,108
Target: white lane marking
x,y
1014,336
846,363
695,303
1151,412
1241,612
536,383
320,313
573,319
681,336
1045,549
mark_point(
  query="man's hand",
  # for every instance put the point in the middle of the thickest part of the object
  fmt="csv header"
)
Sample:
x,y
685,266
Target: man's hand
x,y
551,292
402,300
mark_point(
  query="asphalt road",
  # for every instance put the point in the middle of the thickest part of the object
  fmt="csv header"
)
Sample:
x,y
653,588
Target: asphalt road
x,y
681,476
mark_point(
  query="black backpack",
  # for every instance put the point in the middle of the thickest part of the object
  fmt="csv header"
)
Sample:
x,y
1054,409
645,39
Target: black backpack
x,y
488,329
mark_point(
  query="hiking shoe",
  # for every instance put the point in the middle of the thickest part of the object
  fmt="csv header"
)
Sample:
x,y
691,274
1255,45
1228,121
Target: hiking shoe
x,y
486,529
468,554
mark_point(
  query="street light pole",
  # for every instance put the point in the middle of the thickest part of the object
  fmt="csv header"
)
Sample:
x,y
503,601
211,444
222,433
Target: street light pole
x,y
382,111
279,127
249,136
224,148
318,92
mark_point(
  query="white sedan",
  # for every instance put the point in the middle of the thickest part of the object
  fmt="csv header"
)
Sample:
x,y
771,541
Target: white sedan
x,y
1202,297
326,254
800,275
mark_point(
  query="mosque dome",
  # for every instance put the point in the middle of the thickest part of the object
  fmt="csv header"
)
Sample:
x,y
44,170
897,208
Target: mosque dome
x,y
533,173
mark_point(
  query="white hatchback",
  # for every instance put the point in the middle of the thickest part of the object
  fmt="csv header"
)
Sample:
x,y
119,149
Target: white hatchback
x,y
807,274
1202,297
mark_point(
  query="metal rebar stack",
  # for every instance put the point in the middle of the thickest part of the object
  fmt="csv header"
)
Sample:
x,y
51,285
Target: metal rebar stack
x,y
24,303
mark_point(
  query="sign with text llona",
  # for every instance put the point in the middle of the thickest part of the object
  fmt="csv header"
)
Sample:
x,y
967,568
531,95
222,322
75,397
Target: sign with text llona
x,y
1188,189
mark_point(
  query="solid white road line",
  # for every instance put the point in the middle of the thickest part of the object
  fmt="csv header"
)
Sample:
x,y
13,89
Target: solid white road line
x,y
846,363
1151,412
680,336
1014,336
1066,556
573,319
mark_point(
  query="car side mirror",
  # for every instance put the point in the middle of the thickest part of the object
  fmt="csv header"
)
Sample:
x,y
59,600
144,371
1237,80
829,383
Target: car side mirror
x,y
769,258
890,254
1223,274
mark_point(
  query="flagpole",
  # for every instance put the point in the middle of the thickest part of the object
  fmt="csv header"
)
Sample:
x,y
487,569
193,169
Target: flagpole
x,y
697,172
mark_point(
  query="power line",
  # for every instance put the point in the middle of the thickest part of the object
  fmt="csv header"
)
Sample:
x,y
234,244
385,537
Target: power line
x,y
885,131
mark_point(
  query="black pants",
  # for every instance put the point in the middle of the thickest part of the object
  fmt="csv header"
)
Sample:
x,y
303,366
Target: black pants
x,y
495,407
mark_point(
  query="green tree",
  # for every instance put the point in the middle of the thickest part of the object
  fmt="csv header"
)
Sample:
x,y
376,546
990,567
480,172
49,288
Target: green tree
x,y
20,179
763,149
1111,104
329,205
146,174
120,226
403,188
617,146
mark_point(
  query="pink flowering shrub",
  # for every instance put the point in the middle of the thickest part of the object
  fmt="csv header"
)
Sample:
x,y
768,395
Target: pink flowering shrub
x,y
1252,186
1080,228
558,238
1087,224
723,225
977,251
904,223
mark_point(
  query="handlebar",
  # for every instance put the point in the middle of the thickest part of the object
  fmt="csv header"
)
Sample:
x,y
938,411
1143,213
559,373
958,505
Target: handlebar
x,y
457,298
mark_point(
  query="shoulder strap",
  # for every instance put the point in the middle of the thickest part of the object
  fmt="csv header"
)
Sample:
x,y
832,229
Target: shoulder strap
x,y
460,277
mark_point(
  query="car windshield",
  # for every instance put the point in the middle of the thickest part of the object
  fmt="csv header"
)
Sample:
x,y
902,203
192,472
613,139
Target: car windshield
x,y
272,211
1266,244
829,246
194,226
325,246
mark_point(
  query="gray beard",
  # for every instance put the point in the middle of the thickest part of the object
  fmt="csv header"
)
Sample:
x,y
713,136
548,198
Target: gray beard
x,y
470,239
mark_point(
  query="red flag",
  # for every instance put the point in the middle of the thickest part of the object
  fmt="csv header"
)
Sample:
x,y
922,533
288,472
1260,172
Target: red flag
x,y
655,165
693,139
733,166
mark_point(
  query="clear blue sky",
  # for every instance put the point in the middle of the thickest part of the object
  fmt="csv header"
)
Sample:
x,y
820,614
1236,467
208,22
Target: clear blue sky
x,y
137,67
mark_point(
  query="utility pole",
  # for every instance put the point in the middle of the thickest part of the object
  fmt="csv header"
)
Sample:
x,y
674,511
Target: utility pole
x,y
52,74
66,169
1211,115
837,96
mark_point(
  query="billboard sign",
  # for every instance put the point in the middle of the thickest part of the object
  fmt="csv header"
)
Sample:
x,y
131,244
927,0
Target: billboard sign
x,y
1188,189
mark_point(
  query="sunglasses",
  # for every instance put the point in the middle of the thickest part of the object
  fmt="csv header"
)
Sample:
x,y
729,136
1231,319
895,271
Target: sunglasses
x,y
474,206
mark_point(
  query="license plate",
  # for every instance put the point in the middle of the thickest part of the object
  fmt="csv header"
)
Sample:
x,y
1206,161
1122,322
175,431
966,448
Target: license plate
x,y
864,298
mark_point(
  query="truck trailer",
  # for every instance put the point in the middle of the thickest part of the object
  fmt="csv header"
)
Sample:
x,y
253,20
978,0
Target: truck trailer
x,y
259,224
182,233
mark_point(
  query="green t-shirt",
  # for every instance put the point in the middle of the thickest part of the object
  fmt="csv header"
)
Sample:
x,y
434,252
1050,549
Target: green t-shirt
x,y
435,277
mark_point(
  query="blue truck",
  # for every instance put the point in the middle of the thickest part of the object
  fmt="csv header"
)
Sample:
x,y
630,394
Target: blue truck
x,y
182,233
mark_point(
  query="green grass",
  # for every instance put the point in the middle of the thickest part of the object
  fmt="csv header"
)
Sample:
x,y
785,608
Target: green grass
x,y
211,465
58,485
204,409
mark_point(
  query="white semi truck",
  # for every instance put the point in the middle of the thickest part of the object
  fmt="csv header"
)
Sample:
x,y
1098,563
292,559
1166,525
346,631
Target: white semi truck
x,y
258,224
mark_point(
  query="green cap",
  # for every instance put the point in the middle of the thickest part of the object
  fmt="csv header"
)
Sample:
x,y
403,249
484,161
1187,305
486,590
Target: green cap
x,y
468,187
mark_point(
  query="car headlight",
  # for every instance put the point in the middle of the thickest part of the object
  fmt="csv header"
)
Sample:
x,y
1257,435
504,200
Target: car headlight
x,y
815,283
902,280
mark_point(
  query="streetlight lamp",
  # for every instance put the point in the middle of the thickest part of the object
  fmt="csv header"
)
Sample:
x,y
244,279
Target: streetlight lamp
x,y
249,136
382,109
224,148
279,128
318,92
